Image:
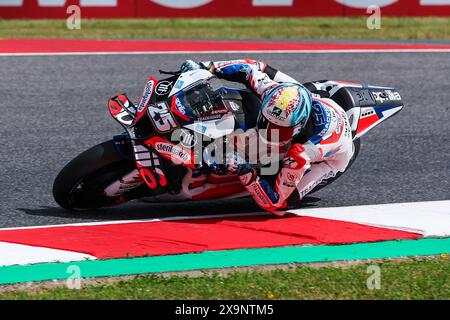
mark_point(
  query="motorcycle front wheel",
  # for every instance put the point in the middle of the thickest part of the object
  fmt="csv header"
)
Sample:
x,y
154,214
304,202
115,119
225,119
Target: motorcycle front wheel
x,y
81,183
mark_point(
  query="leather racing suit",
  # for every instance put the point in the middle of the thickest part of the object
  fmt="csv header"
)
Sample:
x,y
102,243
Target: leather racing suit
x,y
320,151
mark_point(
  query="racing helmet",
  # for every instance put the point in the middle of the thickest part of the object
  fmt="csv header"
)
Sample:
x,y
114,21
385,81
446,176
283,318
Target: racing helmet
x,y
284,112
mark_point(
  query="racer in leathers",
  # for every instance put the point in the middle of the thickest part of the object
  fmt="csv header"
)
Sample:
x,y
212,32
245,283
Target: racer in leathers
x,y
314,134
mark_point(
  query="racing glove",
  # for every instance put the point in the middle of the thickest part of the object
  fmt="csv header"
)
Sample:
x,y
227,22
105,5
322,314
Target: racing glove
x,y
233,163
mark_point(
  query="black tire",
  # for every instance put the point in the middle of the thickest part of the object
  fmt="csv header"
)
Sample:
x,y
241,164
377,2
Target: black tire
x,y
357,144
81,182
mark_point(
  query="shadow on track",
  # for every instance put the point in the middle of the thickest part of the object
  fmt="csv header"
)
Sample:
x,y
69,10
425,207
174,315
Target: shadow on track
x,y
142,210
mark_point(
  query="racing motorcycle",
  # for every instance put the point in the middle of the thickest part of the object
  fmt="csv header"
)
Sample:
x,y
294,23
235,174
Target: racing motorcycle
x,y
202,109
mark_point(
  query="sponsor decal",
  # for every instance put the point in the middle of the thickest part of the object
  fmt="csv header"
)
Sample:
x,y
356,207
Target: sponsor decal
x,y
276,112
200,128
347,128
394,95
282,104
187,139
179,84
124,184
380,96
290,162
176,153
386,95
260,195
323,117
211,117
275,116
291,177
289,180
327,175
146,95
180,108
338,125
163,88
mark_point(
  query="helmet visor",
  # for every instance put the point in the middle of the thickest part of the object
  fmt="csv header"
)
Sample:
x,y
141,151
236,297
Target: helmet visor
x,y
272,134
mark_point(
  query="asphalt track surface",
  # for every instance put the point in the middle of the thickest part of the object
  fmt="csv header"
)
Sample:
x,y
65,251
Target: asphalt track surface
x,y
54,107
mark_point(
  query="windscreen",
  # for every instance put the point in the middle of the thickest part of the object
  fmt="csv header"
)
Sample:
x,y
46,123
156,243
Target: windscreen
x,y
205,98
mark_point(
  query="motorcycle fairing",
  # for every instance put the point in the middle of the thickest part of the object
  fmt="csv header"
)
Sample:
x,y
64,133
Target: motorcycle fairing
x,y
188,79
173,152
157,104
122,110
146,97
366,106
130,181
178,109
372,116
149,166
214,128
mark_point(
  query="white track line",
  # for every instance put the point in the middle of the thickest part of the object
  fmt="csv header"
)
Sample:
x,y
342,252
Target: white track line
x,y
100,223
223,52
430,218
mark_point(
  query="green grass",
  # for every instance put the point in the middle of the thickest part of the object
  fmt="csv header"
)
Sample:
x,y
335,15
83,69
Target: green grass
x,y
412,279
234,28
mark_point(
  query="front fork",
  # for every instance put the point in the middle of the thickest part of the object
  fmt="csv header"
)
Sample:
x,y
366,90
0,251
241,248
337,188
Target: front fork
x,y
124,146
122,142
130,180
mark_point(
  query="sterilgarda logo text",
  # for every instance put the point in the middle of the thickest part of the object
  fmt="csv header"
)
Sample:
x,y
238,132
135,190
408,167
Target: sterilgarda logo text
x,y
175,152
146,95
